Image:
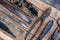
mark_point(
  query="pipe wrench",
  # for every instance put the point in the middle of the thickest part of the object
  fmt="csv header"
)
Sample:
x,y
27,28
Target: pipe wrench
x,y
44,15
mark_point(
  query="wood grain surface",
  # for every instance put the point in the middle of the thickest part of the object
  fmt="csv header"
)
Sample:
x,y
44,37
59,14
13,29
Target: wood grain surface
x,y
20,35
